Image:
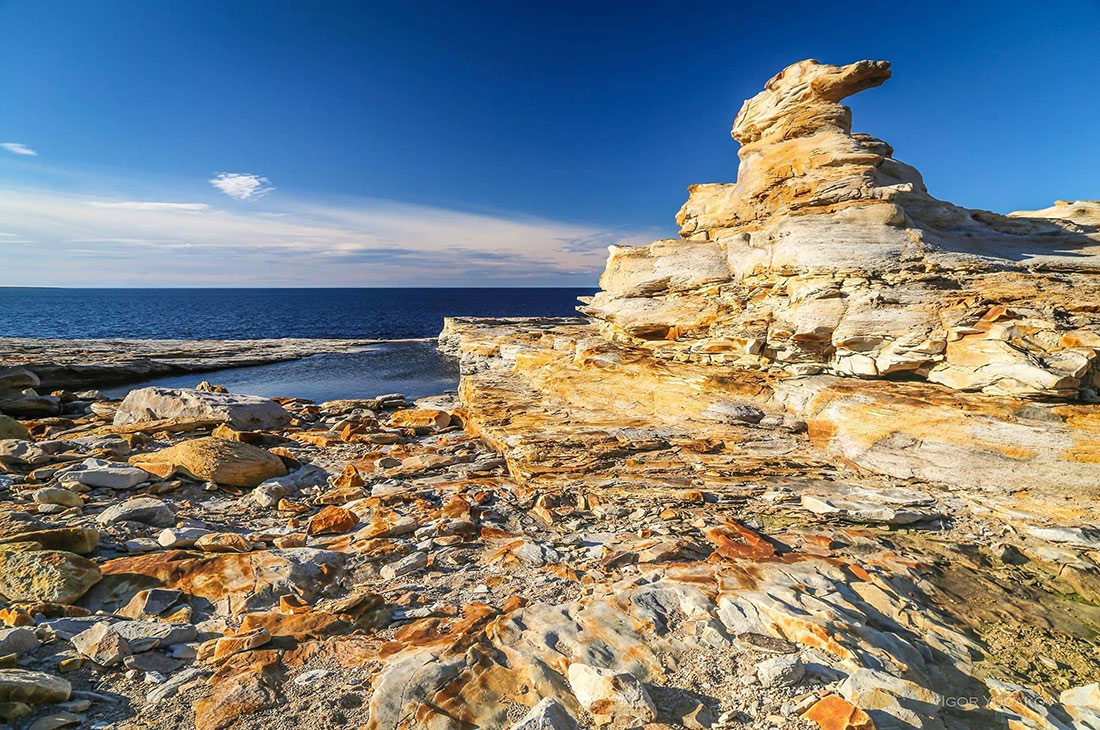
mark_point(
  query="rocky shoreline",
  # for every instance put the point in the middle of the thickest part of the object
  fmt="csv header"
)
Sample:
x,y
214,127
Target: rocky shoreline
x,y
78,364
849,486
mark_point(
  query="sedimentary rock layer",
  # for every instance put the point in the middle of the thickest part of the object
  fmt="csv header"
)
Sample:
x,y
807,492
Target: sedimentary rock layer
x,y
698,569
828,255
560,402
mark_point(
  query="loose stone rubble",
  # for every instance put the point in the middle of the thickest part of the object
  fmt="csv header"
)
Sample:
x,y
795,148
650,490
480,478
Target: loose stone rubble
x,y
602,528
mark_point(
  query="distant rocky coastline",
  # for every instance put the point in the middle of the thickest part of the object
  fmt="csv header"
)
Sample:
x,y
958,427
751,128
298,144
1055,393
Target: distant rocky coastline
x,y
58,364
830,460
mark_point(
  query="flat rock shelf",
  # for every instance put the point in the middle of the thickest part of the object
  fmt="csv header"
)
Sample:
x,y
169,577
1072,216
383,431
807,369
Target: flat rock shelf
x,y
97,363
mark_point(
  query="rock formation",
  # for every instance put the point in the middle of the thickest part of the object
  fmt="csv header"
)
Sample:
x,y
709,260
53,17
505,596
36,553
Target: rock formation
x,y
829,256
825,262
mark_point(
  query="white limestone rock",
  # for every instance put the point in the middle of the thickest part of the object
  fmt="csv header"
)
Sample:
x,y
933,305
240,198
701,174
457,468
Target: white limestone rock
x,y
247,412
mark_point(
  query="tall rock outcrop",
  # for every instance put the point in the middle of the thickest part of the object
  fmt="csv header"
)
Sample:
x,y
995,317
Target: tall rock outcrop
x,y
716,369
830,256
972,336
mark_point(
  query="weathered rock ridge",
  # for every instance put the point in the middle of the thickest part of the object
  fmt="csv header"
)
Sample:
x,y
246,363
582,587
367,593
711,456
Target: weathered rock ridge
x,y
829,256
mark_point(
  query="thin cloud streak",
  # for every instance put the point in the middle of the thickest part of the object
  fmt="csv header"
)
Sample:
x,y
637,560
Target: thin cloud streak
x,y
18,149
357,242
147,205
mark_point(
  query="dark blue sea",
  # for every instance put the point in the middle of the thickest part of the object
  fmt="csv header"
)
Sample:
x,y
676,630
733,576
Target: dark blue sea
x,y
414,368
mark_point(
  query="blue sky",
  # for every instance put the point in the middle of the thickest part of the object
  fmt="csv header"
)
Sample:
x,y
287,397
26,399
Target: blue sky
x,y
479,143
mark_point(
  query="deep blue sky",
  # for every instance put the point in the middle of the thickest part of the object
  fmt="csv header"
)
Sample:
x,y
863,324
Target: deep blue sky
x,y
592,116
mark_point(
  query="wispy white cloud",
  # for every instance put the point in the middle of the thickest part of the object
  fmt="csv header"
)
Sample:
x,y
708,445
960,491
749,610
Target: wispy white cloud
x,y
242,186
147,205
18,149
127,241
348,242
13,238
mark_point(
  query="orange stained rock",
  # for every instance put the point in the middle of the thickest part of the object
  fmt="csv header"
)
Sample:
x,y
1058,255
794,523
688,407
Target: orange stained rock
x,y
297,625
366,461
354,429
455,507
244,685
421,419
346,651
874,411
332,520
859,571
292,540
317,438
456,634
1080,338
223,542
291,603
236,577
287,456
349,479
1084,424
822,540
495,533
836,713
503,554
289,505
736,541
564,571
490,683
996,313
15,617
246,640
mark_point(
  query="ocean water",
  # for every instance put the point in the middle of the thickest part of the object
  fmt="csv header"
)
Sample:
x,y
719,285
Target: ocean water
x,y
414,368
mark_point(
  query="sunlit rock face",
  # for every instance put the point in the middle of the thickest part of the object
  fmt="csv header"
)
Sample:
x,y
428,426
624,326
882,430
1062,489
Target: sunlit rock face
x,y
971,336
828,256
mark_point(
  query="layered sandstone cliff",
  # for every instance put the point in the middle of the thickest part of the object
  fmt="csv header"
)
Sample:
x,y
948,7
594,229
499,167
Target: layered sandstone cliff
x,y
827,345
830,256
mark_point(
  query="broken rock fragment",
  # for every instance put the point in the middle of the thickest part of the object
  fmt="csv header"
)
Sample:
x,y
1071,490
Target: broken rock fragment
x,y
835,713
609,694
34,688
100,473
147,510
103,644
246,412
52,576
548,714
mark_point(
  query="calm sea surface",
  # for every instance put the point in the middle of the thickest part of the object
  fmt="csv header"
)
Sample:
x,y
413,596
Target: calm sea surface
x,y
413,368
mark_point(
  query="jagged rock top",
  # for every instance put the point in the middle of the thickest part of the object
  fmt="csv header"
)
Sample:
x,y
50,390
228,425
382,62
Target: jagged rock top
x,y
803,99
799,157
